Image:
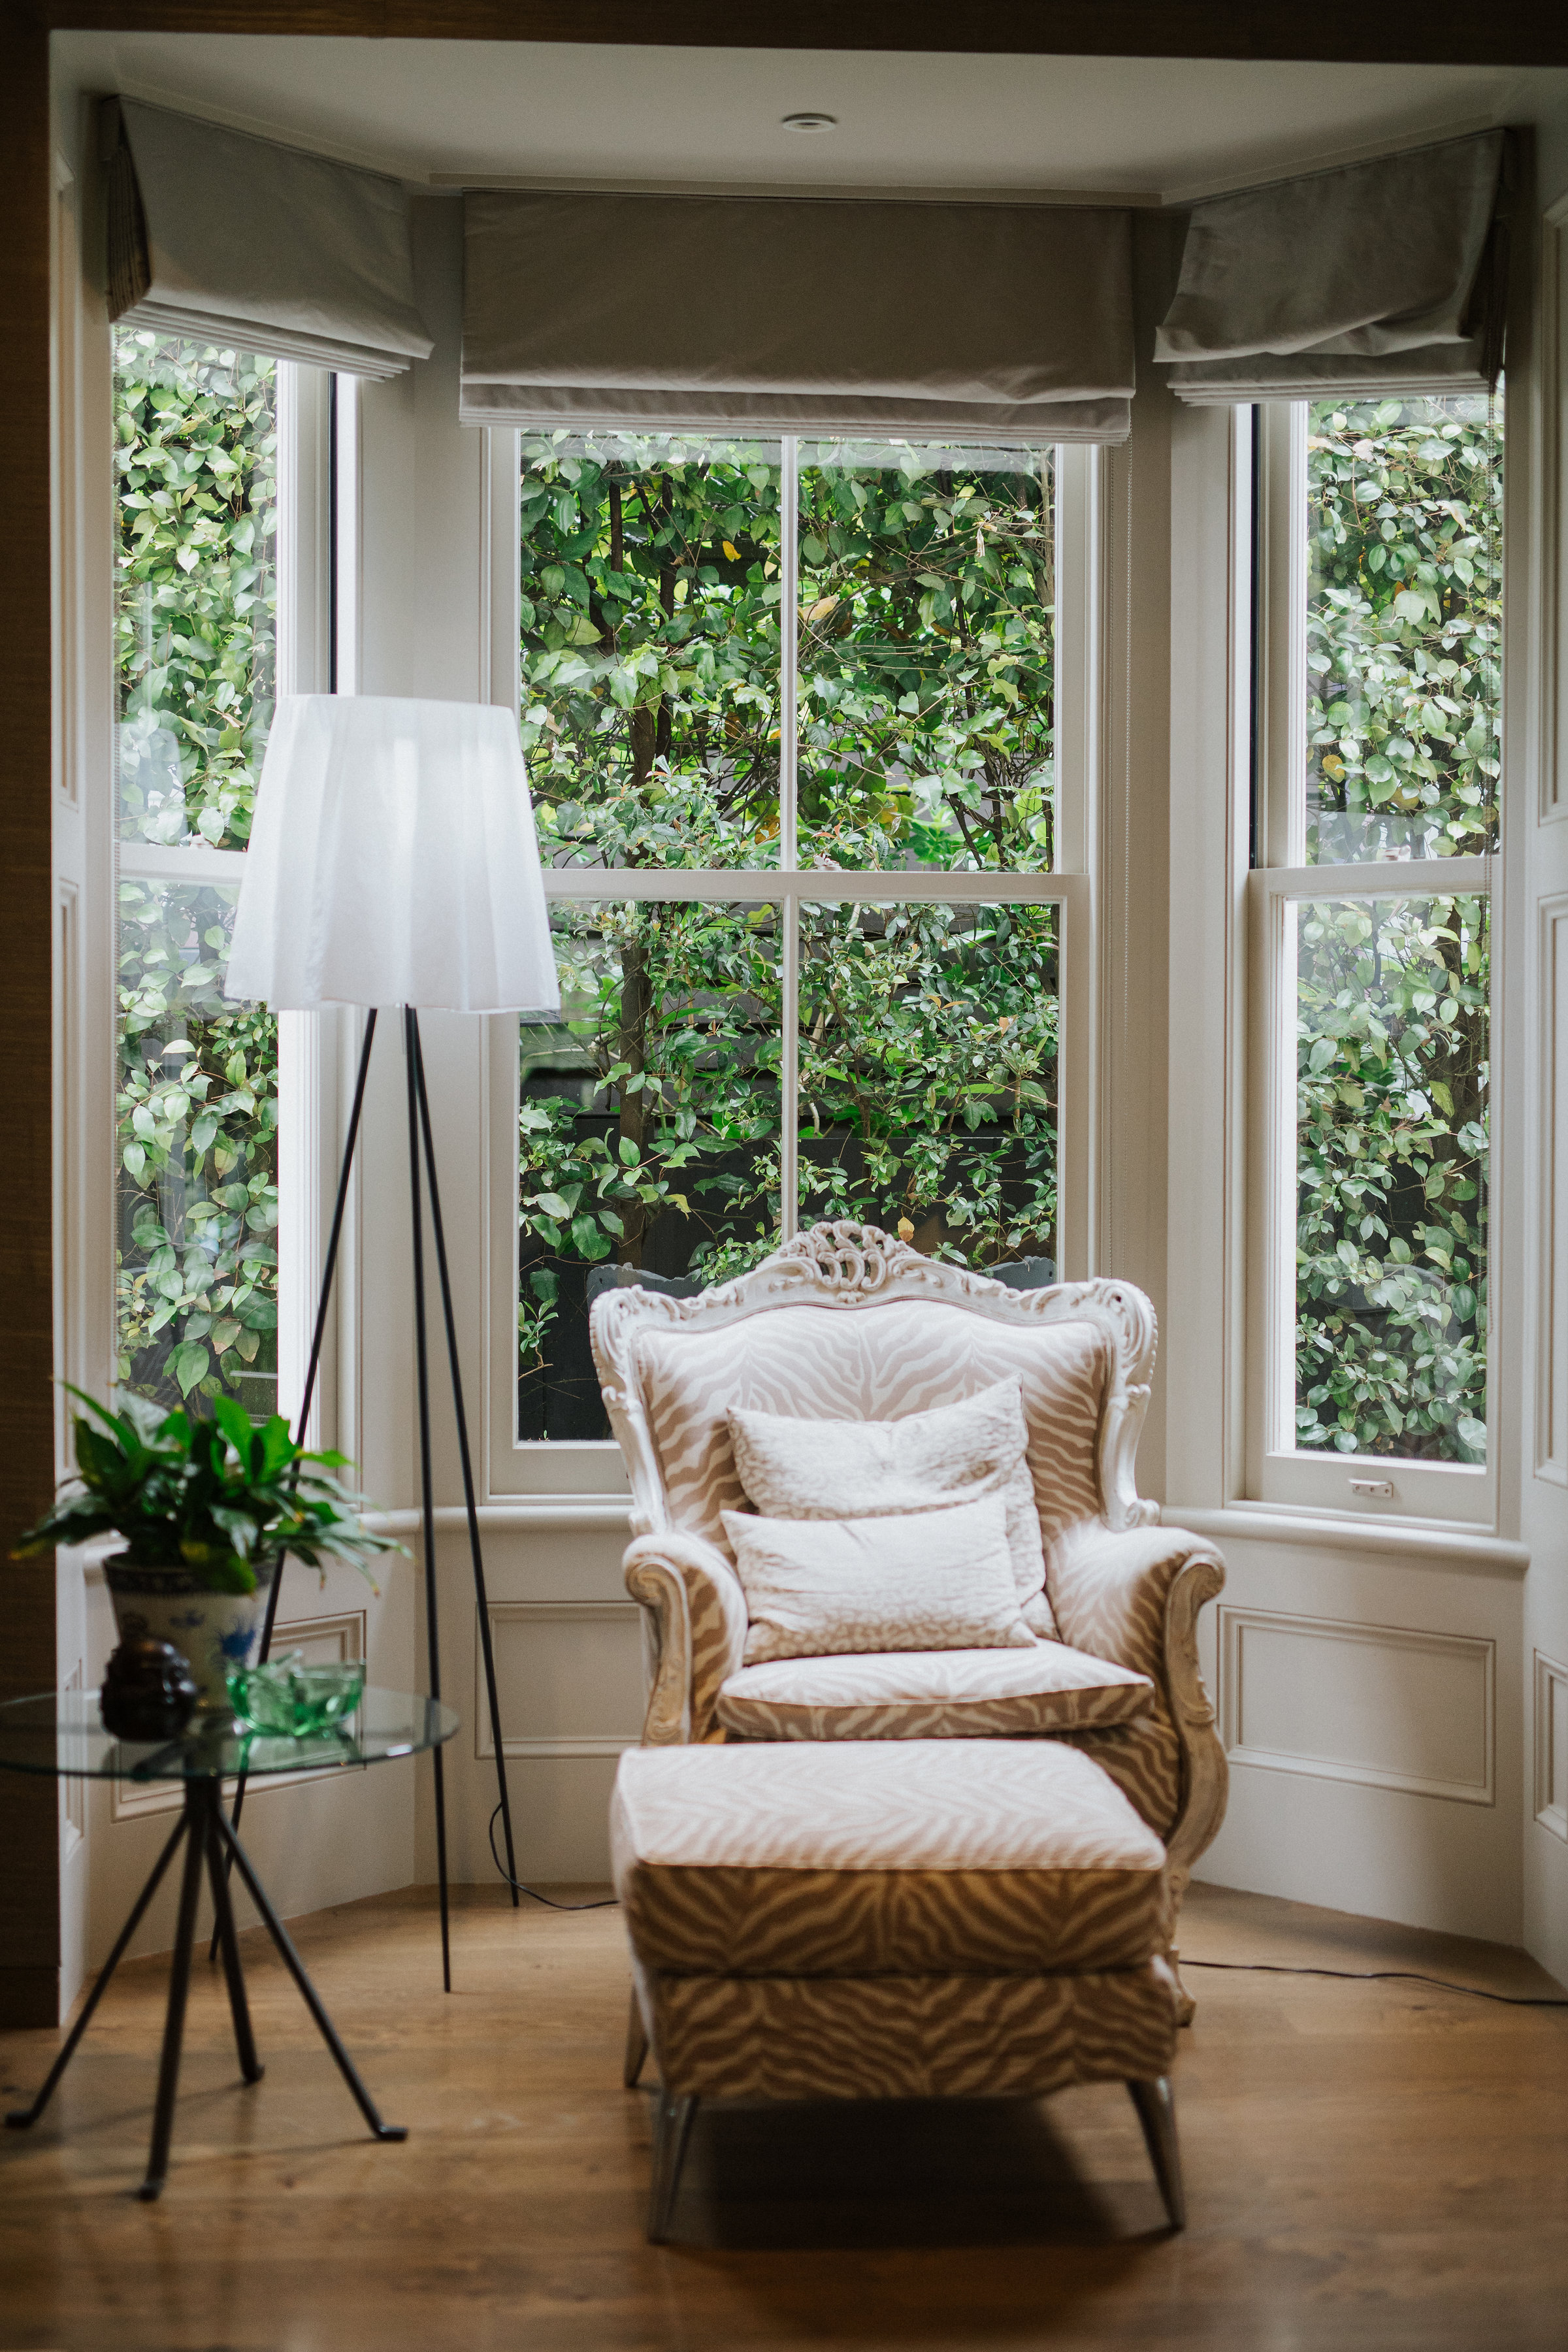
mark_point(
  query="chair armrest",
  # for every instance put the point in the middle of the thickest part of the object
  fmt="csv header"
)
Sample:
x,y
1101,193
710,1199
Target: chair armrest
x,y
1133,1597
695,1617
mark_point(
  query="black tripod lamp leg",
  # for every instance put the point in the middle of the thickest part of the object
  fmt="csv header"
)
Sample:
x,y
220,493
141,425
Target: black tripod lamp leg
x,y
329,1268
307,1992
20,2119
481,1596
224,1931
197,1816
431,1623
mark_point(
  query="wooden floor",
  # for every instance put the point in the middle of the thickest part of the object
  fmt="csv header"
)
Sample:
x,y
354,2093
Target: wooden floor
x,y
1370,2166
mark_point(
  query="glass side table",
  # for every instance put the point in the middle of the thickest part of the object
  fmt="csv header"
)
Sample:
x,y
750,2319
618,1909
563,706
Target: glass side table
x,y
61,1737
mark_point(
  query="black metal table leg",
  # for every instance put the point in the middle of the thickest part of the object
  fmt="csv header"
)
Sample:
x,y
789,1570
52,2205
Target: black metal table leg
x,y
21,2117
307,1992
228,1942
179,1988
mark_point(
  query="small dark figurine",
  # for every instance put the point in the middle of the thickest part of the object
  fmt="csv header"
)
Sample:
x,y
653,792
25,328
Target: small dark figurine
x,y
147,1691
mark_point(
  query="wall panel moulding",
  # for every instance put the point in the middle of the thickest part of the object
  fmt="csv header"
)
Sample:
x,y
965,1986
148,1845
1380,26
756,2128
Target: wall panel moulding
x,y
1510,32
1387,1706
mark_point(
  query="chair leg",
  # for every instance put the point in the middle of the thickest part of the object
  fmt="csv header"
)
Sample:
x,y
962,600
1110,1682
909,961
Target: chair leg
x,y
672,2130
1157,2113
637,2045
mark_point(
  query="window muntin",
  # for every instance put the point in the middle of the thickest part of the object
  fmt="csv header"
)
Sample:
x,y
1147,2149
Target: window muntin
x,y
196,447
939,909
1380,808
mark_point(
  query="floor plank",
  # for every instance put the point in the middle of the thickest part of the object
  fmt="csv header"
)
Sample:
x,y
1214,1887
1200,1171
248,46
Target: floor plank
x,y
1371,2166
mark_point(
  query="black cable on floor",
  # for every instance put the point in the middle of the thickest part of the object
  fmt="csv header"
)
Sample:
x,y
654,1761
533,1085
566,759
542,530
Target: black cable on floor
x,y
1376,1976
603,1903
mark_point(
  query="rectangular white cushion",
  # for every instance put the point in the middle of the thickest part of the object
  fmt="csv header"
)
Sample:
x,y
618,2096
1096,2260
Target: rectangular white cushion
x,y
798,1468
938,1579
932,1694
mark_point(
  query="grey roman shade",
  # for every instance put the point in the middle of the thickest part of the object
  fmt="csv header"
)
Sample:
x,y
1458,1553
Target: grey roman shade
x,y
1008,323
1387,277
243,242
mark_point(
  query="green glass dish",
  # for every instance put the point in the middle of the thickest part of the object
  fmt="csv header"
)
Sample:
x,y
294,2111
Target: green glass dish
x,y
294,1701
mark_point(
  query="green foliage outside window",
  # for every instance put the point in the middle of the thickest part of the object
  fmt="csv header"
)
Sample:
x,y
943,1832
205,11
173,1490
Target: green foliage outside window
x,y
651,702
195,642
1404,712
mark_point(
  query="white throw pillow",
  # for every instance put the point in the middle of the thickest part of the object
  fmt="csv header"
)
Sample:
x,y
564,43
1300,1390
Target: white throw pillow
x,y
918,1580
794,1469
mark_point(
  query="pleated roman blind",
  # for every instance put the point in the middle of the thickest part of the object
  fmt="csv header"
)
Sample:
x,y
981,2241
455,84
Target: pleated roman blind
x,y
1386,277
255,245
1009,323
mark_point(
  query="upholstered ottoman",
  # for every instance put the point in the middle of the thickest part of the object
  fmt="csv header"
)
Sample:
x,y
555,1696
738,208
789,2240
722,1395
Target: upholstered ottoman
x,y
913,1919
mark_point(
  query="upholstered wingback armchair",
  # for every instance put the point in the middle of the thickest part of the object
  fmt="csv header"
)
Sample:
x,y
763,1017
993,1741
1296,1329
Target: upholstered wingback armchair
x,y
845,1323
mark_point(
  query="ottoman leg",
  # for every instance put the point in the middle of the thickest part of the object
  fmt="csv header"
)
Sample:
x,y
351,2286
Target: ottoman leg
x,y
672,2130
637,2045
1157,2113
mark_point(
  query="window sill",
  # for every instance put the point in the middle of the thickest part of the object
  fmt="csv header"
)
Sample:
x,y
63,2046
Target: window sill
x,y
1405,1539
586,1514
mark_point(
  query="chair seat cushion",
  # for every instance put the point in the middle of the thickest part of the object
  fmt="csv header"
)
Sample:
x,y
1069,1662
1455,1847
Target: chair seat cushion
x,y
915,1857
931,1695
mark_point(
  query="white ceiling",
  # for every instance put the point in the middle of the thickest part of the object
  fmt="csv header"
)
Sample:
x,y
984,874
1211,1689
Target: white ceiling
x,y
1154,128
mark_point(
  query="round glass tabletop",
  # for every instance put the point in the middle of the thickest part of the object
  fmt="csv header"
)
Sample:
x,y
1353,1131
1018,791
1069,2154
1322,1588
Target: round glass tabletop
x,y
61,1734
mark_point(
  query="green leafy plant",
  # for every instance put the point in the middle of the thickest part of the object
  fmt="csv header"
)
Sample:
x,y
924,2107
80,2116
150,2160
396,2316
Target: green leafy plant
x,y
215,1495
195,646
1393,994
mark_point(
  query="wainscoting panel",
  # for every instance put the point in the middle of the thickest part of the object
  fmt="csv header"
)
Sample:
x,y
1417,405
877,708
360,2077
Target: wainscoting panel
x,y
1387,1706
572,1671
1552,1745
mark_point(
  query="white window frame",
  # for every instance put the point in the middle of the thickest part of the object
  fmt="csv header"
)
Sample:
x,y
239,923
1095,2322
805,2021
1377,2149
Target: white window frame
x,y
587,1468
306,1047
1277,1473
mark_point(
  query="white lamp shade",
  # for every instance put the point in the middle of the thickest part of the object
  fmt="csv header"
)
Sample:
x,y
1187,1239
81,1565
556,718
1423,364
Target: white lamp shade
x,y
392,860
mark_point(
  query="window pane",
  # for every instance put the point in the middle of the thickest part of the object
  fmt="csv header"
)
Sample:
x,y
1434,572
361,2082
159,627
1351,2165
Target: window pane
x,y
928,1074
195,650
649,1126
1391,1125
197,1116
1403,607
927,629
196,585
651,649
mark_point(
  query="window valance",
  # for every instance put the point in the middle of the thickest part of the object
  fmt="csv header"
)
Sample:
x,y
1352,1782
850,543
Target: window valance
x,y
243,242
1009,323
1385,276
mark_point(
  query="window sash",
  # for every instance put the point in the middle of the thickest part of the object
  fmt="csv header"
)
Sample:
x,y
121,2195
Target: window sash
x,y
1275,1472
1278,1473
589,1468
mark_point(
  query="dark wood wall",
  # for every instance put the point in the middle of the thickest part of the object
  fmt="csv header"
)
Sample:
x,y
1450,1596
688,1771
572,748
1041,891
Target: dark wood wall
x,y
29,1902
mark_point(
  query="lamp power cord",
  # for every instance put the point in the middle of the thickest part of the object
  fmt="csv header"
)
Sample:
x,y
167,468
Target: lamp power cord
x,y
1380,1976
600,1903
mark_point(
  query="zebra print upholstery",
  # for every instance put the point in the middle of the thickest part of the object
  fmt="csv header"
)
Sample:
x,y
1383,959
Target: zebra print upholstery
x,y
847,1323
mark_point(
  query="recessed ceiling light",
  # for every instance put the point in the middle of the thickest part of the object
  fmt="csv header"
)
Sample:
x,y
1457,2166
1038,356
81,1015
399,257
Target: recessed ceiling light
x,y
810,122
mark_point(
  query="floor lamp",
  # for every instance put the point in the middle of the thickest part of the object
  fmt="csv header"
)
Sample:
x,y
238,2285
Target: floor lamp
x,y
393,862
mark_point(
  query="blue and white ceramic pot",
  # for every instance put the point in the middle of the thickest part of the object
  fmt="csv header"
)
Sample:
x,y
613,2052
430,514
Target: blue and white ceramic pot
x,y
215,1632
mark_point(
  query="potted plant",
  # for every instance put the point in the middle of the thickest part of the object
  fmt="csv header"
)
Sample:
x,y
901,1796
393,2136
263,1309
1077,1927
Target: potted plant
x,y
208,1508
